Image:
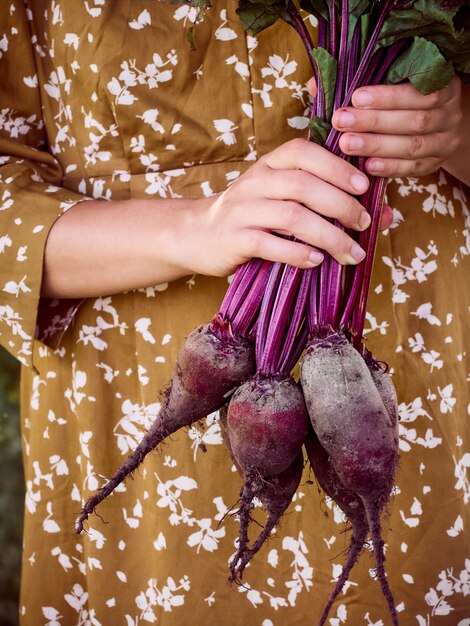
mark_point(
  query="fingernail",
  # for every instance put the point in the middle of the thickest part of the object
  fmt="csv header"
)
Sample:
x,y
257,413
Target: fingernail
x,y
355,142
364,220
375,165
359,182
357,253
345,119
363,98
315,257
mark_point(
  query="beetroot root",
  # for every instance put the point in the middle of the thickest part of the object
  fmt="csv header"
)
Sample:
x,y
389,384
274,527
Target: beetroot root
x,y
211,363
267,423
348,502
275,493
355,428
349,416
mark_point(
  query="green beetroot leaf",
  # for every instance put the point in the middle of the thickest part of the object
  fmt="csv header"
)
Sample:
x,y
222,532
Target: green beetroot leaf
x,y
319,130
257,16
421,18
446,24
423,65
318,8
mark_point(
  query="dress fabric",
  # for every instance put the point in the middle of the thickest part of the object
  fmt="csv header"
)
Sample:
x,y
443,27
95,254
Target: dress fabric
x,y
104,99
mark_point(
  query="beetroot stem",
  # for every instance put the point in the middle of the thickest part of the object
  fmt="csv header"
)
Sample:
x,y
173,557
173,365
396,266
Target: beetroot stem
x,y
353,54
295,20
312,306
269,361
343,53
244,318
239,287
332,47
378,194
266,308
295,322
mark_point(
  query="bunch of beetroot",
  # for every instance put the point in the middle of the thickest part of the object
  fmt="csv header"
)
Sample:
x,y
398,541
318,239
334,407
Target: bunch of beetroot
x,y
343,411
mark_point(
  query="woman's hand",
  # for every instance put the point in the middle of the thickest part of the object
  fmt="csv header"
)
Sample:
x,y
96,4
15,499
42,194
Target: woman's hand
x,y
403,132
289,191
292,190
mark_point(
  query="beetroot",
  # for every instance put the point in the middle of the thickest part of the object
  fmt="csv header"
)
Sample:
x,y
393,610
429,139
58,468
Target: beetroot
x,y
211,363
214,359
267,419
348,415
275,493
355,429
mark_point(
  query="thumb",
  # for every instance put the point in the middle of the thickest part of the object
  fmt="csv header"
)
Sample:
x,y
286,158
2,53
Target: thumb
x,y
312,87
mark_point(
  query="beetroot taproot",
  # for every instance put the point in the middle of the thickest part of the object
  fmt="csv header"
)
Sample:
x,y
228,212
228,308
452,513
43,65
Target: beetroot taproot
x,y
351,505
355,429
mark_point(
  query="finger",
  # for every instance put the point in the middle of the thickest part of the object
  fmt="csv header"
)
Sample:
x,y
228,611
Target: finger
x,y
312,87
399,146
386,217
312,192
399,122
305,225
403,96
400,168
263,245
312,158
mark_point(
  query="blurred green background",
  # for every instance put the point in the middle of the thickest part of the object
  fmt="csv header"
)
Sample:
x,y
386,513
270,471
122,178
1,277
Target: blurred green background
x,y
11,490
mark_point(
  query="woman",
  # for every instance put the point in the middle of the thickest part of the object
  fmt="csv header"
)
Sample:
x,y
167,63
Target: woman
x,y
118,230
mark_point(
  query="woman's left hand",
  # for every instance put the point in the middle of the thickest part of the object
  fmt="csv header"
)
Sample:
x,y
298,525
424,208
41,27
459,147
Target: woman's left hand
x,y
400,130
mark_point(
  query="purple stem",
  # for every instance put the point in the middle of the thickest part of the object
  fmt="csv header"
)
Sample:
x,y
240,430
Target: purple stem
x,y
343,54
283,305
357,271
312,306
333,292
322,32
296,21
323,288
296,322
353,55
371,73
333,29
266,308
299,25
378,194
240,285
298,348
243,319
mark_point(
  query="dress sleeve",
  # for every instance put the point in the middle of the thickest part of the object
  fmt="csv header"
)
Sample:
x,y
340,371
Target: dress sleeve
x,y
31,196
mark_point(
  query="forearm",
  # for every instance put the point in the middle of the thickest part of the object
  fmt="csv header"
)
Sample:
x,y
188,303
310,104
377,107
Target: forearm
x,y
100,247
458,164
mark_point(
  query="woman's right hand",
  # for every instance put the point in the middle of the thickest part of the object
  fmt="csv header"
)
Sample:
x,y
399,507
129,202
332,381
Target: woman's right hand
x,y
291,190
99,247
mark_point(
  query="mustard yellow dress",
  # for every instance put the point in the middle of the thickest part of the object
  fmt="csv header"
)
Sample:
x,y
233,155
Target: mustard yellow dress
x,y
104,99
